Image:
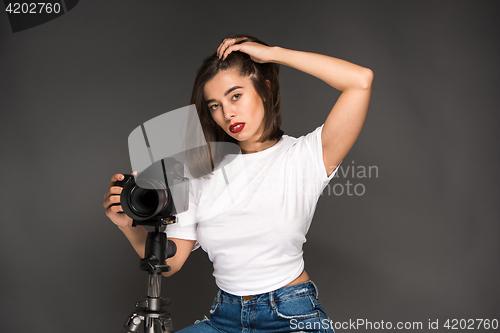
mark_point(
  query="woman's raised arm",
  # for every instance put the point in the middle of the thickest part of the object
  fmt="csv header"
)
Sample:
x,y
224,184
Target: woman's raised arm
x,y
346,119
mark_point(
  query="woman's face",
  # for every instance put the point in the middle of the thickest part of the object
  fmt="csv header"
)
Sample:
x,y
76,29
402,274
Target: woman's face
x,y
235,105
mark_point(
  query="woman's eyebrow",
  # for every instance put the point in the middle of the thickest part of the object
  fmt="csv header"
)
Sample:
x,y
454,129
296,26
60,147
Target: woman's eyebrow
x,y
231,89
225,94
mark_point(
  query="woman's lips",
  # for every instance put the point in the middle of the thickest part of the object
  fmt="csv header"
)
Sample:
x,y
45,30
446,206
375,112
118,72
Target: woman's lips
x,y
236,127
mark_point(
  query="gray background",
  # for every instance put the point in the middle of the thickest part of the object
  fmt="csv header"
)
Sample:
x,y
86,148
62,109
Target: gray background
x,y
421,243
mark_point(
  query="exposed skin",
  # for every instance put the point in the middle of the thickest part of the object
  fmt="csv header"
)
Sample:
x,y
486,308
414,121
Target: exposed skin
x,y
231,99
347,117
341,128
137,235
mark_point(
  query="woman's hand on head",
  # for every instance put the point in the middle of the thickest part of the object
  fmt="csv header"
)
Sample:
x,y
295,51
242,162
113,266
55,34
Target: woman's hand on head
x,y
112,204
258,52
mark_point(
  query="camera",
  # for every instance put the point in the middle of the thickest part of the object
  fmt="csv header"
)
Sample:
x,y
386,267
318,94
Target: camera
x,y
157,193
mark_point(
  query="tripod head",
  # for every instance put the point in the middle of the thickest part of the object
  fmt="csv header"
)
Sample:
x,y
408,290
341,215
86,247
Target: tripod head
x,y
158,248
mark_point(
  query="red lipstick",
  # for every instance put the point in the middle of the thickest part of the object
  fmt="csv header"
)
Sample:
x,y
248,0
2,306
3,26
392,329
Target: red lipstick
x,y
236,127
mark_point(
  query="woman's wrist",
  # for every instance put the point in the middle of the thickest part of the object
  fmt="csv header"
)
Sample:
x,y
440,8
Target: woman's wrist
x,y
278,55
126,228
289,57
338,73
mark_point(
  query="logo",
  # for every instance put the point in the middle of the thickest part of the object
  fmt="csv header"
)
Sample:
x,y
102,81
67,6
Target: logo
x,y
28,14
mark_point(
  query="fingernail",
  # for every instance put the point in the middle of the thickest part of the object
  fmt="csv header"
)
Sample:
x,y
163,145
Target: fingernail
x,y
120,177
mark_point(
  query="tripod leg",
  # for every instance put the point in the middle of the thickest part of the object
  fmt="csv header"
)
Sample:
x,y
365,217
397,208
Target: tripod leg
x,y
166,323
152,325
133,323
160,324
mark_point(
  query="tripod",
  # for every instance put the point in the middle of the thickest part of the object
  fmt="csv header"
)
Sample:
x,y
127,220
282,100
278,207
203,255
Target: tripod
x,y
149,311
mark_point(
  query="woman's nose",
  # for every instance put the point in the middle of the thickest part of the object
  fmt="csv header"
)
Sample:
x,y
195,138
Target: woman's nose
x,y
229,112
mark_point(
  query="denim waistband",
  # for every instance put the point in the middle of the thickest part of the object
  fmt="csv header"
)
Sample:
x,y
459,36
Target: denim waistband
x,y
296,290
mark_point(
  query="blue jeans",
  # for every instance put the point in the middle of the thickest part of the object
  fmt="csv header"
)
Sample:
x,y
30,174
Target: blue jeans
x,y
289,309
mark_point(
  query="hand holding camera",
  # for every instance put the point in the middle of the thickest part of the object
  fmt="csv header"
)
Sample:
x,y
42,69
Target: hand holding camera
x,y
112,203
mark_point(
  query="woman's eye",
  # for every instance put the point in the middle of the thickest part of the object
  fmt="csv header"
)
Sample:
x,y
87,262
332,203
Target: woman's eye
x,y
236,96
213,107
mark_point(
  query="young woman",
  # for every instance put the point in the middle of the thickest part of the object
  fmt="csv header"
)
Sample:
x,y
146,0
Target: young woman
x,y
255,242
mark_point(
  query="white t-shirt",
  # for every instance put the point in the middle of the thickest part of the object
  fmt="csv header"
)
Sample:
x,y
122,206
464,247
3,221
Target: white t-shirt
x,y
252,215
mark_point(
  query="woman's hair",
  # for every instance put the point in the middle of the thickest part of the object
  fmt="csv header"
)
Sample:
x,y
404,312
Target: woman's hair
x,y
265,81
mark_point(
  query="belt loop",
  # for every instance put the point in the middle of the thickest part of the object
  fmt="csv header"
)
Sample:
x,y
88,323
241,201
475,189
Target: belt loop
x,y
219,296
316,291
271,300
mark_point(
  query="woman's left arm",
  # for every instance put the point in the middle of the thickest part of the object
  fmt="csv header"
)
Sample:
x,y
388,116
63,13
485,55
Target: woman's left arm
x,y
346,119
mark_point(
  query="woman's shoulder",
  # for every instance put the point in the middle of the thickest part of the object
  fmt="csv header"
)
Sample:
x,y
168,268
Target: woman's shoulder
x,y
311,138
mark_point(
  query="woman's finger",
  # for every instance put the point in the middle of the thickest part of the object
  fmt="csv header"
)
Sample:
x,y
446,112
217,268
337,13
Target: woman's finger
x,y
114,199
111,200
226,43
113,190
220,47
115,178
229,49
116,209
113,210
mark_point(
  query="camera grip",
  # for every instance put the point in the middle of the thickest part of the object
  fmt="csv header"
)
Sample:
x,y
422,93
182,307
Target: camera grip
x,y
121,183
126,178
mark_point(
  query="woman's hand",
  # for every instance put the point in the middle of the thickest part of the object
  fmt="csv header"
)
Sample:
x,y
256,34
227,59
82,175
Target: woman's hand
x,y
258,52
112,204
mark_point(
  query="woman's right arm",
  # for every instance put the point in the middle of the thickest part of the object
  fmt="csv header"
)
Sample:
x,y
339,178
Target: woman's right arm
x,y
137,235
184,248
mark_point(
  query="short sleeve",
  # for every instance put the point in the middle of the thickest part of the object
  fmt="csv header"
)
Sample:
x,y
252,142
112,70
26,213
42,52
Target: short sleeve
x,y
315,148
185,228
186,225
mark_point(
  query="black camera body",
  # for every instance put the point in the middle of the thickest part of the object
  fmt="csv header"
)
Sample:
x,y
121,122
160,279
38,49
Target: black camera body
x,y
160,192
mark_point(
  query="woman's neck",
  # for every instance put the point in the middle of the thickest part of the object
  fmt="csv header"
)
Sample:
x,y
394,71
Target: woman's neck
x,y
255,147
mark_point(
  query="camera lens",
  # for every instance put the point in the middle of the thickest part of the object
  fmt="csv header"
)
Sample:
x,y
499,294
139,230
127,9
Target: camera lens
x,y
145,200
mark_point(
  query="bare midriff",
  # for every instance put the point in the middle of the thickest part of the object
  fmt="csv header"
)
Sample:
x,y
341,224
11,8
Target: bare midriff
x,y
303,277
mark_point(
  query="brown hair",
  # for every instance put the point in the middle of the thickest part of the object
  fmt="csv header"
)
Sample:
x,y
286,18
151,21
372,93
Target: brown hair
x,y
265,81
